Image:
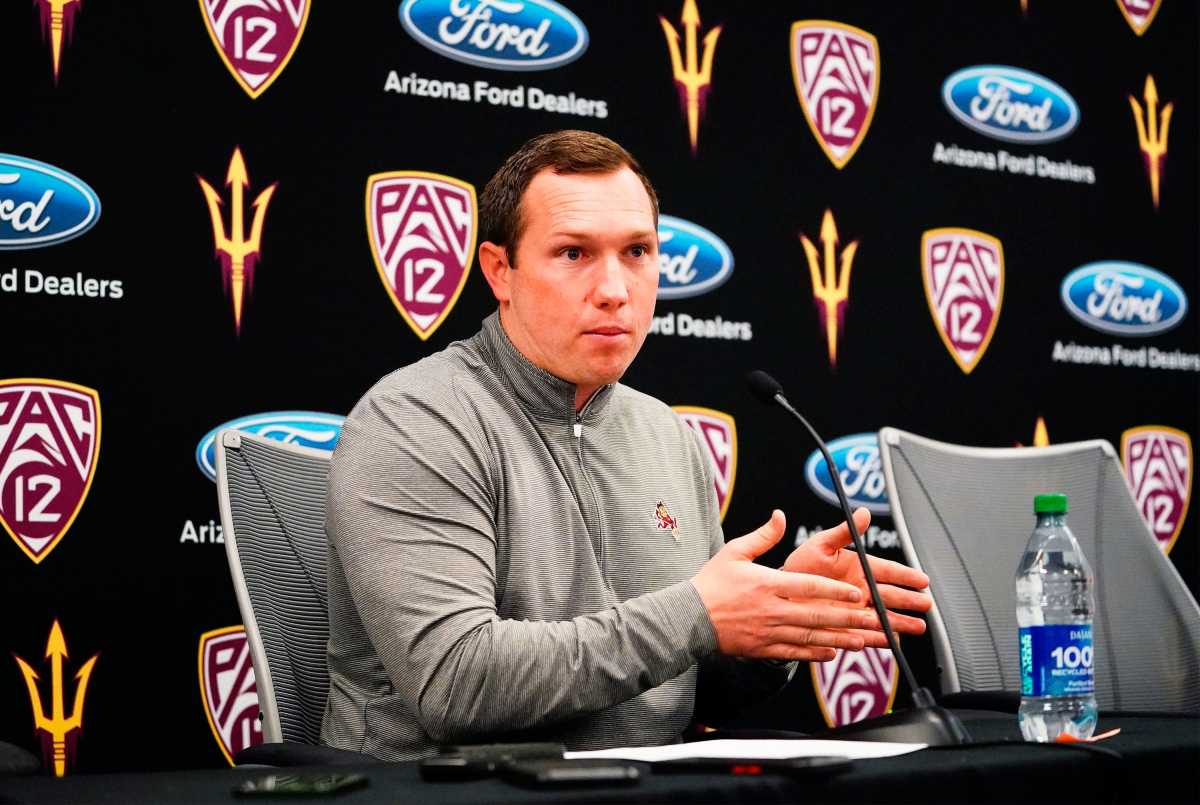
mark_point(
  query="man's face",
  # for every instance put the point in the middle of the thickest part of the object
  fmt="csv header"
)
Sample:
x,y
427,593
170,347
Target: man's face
x,y
580,300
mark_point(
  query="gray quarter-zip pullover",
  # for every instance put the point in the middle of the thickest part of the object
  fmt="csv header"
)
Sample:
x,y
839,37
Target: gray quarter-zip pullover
x,y
501,567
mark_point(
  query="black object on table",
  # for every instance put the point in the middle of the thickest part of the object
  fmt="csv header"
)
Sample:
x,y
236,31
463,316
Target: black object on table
x,y
477,761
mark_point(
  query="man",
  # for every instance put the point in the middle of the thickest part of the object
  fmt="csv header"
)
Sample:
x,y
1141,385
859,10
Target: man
x,y
521,548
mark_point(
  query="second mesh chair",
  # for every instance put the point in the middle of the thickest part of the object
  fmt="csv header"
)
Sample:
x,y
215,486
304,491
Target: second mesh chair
x,y
963,516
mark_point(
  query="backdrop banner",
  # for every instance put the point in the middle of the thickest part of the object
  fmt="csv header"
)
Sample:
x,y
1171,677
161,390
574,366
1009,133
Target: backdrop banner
x,y
973,221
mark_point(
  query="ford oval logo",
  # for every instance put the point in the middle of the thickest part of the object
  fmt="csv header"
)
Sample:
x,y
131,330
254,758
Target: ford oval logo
x,y
861,471
691,260
1006,103
497,34
1123,298
305,428
41,205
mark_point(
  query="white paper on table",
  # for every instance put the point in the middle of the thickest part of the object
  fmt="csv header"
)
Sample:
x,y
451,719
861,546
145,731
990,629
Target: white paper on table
x,y
735,749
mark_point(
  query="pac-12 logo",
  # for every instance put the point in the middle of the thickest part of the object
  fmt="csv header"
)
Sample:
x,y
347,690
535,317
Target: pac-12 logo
x,y
1139,13
1007,103
422,230
858,465
256,38
836,71
229,690
691,260
49,443
1123,298
41,205
963,274
497,34
855,685
718,434
305,428
1158,467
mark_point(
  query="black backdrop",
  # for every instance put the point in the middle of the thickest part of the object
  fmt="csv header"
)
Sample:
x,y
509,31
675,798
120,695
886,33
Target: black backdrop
x,y
143,105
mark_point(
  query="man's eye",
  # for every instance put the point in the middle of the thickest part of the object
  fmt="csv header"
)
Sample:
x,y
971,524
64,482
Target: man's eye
x,y
573,253
639,251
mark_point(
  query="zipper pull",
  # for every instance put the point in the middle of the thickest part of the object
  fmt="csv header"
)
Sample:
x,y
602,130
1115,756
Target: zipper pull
x,y
578,426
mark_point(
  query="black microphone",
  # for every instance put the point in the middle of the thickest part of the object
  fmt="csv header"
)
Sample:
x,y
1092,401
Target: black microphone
x,y
927,723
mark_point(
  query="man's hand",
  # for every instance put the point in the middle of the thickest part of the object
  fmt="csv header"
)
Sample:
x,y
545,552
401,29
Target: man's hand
x,y
760,612
823,555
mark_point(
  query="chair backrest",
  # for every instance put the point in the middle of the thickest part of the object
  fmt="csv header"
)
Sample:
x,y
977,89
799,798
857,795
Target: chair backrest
x,y
272,500
964,515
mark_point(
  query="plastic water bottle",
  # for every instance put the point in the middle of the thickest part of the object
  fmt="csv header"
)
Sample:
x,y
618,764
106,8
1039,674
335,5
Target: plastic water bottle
x,y
1054,613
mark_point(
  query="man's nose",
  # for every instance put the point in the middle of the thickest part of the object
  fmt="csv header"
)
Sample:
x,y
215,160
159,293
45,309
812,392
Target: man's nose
x,y
612,284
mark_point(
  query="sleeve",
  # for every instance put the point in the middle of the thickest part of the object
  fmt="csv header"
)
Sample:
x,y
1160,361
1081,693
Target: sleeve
x,y
727,685
412,516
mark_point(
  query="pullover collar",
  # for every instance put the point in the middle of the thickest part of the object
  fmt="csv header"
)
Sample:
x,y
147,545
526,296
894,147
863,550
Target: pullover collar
x,y
538,391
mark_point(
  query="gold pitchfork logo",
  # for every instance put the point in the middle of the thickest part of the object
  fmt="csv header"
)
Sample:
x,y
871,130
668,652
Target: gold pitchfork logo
x,y
1153,142
832,290
58,22
238,254
697,74
58,726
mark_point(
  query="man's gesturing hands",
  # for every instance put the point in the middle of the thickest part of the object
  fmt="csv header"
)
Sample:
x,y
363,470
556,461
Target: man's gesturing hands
x,y
817,602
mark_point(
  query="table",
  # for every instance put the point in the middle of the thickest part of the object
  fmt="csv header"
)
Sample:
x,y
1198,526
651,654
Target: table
x,y
1156,758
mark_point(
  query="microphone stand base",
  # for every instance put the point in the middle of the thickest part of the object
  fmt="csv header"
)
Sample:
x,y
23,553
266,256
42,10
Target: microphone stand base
x,y
935,726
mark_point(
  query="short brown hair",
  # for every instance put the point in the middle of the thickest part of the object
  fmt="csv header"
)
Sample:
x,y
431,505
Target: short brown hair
x,y
569,151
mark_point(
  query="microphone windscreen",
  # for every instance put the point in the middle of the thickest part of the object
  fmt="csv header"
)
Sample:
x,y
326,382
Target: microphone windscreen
x,y
763,386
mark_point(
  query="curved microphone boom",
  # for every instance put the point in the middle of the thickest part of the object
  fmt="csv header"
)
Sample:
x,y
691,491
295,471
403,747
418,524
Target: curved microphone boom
x,y
927,723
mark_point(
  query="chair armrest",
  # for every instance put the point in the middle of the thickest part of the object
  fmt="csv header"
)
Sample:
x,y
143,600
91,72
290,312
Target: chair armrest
x,y
1000,701
14,761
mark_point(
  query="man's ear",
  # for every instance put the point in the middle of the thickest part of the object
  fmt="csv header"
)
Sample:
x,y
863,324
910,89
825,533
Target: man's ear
x,y
493,261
